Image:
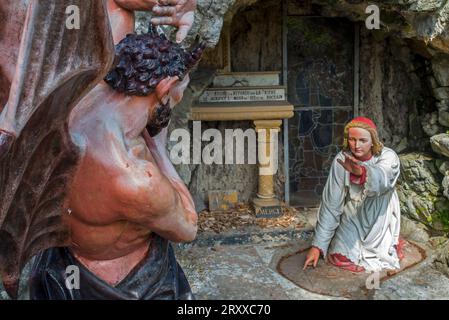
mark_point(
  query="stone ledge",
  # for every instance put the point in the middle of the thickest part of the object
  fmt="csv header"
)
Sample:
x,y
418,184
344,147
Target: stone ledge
x,y
208,239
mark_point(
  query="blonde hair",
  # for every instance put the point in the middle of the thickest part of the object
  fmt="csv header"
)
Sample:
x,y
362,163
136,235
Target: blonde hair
x,y
377,147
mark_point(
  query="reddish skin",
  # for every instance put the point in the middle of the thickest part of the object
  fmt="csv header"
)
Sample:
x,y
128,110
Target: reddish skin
x,y
312,257
178,13
360,144
125,187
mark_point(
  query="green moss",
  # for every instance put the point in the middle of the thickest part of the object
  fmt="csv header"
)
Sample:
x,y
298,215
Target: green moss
x,y
442,213
443,217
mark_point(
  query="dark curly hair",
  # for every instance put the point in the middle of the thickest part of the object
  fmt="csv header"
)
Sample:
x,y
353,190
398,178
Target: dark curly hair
x,y
142,61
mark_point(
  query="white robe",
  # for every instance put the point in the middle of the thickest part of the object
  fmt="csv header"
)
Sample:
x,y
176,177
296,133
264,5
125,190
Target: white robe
x,y
362,222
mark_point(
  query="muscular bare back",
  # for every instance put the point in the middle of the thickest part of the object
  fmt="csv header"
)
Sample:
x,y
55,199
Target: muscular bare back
x,y
125,187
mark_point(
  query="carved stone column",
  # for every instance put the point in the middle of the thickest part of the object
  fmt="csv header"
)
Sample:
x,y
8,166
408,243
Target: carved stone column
x,y
267,135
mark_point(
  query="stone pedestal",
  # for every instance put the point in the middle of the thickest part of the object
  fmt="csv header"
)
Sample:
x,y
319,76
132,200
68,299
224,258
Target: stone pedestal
x,y
268,159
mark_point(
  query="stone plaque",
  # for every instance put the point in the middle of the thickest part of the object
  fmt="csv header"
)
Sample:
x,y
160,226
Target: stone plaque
x,y
269,212
243,95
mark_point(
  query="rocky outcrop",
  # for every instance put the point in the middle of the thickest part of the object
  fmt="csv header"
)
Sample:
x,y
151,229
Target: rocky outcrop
x,y
391,92
430,124
440,70
441,261
421,193
440,144
418,20
414,230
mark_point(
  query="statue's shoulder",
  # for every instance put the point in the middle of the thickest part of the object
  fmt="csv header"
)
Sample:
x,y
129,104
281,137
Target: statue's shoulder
x,y
340,155
388,153
387,150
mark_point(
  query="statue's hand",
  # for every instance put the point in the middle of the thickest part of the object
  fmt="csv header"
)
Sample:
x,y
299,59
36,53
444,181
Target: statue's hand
x,y
351,164
178,13
312,257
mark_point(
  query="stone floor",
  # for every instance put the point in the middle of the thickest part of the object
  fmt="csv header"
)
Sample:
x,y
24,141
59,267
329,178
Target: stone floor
x,y
238,272
243,265
248,271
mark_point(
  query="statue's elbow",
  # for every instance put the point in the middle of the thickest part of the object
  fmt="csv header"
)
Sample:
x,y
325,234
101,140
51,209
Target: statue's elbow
x,y
188,234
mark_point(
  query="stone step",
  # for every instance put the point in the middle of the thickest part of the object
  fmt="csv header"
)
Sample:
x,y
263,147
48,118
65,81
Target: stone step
x,y
207,239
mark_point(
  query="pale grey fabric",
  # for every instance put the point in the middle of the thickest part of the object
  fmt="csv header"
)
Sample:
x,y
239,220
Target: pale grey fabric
x,y
362,222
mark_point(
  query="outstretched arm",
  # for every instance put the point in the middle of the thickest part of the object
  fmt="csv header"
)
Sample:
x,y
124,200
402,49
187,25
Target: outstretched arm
x,y
383,175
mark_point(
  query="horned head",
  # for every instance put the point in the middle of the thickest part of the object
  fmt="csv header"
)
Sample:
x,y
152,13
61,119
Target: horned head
x,y
142,61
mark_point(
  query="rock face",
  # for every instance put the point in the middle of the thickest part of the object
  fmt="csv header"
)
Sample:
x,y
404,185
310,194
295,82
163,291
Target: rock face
x,y
391,91
257,33
418,20
430,124
413,35
420,191
413,230
440,144
440,70
442,259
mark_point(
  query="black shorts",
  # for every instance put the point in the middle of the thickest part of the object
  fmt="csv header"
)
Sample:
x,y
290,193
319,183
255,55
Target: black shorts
x,y
158,276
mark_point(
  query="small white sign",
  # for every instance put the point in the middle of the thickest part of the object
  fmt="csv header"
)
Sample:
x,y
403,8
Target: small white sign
x,y
256,79
73,20
244,95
